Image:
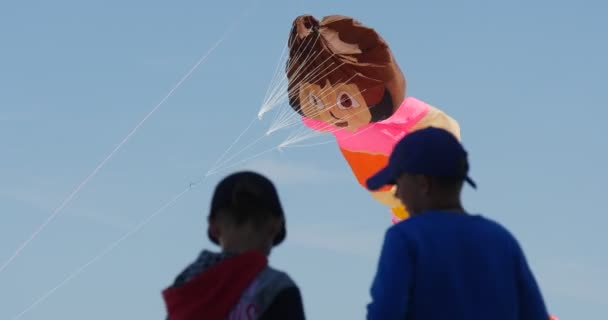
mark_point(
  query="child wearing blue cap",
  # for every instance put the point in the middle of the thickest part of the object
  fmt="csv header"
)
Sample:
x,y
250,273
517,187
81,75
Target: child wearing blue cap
x,y
442,262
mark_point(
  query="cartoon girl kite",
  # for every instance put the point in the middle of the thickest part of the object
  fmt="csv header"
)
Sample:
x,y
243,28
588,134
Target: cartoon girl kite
x,y
343,79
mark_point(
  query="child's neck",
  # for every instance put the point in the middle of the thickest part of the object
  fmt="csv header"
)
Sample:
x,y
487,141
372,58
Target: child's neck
x,y
238,246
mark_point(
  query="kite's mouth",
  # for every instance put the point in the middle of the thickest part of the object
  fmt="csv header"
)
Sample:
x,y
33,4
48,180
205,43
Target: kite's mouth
x,y
341,123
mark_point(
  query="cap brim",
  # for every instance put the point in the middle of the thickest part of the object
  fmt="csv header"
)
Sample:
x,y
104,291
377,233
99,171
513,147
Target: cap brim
x,y
471,182
382,178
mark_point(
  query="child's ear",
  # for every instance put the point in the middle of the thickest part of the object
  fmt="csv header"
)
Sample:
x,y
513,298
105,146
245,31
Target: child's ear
x,y
214,229
425,184
277,226
273,227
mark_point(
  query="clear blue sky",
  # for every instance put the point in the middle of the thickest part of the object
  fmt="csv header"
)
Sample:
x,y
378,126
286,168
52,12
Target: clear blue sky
x,y
525,79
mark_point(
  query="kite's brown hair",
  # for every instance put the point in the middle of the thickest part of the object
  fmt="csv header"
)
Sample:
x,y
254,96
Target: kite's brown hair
x,y
341,49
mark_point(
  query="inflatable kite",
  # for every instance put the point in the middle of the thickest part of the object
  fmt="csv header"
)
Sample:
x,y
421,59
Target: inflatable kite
x,y
343,79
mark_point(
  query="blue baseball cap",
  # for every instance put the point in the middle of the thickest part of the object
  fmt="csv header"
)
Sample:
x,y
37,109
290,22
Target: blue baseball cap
x,y
431,151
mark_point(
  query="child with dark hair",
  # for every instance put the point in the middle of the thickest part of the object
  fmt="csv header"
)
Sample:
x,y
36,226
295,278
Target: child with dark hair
x,y
444,262
246,219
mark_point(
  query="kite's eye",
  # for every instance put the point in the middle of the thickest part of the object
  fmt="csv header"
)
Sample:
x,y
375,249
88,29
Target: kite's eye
x,y
316,102
346,101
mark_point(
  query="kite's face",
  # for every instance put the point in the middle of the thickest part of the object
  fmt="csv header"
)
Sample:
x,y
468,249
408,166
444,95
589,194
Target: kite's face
x,y
342,73
341,105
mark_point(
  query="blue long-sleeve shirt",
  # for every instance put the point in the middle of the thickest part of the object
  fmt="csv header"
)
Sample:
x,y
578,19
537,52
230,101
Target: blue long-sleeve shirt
x,y
441,265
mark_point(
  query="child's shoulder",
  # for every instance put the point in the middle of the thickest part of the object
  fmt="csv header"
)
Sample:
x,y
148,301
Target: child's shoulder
x,y
270,284
276,278
492,230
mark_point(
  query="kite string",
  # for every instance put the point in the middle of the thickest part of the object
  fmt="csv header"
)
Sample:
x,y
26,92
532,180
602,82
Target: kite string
x,y
234,142
148,218
285,121
218,169
268,104
142,223
81,186
107,250
304,134
138,227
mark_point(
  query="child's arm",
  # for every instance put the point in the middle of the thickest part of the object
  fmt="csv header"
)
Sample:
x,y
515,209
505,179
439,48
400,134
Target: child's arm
x,y
391,286
531,303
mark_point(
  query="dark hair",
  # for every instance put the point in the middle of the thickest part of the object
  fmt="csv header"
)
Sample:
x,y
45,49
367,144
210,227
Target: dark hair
x,y
247,205
246,197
